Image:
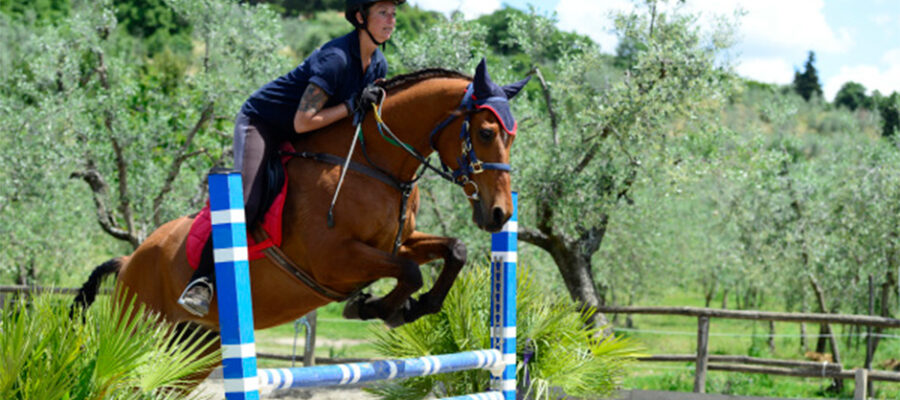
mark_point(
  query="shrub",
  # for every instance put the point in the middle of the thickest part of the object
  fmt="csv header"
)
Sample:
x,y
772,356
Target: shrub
x,y
565,352
48,355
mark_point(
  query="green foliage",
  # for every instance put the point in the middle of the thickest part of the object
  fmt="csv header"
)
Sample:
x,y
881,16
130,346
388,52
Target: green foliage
x,y
613,128
852,95
889,107
36,12
155,21
566,353
305,8
306,35
412,19
48,355
806,84
83,100
454,44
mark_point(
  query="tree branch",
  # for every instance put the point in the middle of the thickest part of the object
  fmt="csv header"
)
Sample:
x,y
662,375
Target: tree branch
x,y
549,100
592,238
181,157
534,237
99,189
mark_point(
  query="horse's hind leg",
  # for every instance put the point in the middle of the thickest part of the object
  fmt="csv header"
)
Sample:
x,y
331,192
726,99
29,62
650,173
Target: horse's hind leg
x,y
366,264
422,248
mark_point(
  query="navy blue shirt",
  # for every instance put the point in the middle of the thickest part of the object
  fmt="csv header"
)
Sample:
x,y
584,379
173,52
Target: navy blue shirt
x,y
335,67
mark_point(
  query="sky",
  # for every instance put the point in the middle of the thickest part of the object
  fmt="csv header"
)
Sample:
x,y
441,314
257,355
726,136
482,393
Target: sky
x,y
853,40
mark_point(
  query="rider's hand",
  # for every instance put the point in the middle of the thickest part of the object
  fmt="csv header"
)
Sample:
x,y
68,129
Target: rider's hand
x,y
358,105
370,95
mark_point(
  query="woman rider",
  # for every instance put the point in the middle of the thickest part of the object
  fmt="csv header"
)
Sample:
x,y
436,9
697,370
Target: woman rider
x,y
331,84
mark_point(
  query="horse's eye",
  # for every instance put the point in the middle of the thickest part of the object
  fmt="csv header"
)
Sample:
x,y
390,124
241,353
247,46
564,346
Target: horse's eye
x,y
486,134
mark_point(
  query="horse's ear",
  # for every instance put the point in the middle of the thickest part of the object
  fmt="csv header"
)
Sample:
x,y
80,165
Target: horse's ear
x,y
482,80
513,89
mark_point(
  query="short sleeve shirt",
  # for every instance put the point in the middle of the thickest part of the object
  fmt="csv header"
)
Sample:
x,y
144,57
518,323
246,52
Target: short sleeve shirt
x,y
335,67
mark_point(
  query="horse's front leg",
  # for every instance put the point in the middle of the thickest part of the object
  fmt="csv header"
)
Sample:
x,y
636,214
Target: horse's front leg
x,y
366,264
422,248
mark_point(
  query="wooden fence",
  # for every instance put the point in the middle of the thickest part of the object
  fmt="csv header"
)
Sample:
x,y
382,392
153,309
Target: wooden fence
x,y
705,362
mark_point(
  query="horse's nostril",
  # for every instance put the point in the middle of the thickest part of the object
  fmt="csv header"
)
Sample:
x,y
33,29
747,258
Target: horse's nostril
x,y
499,216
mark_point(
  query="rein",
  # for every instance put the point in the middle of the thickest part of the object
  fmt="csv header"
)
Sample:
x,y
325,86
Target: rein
x,y
469,164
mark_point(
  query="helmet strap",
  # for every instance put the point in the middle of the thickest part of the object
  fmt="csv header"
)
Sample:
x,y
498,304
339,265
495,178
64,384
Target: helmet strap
x,y
365,27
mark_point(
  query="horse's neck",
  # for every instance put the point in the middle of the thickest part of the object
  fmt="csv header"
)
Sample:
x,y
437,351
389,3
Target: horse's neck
x,y
412,114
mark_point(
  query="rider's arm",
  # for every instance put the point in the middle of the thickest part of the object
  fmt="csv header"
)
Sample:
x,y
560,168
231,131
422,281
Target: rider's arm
x,y
311,116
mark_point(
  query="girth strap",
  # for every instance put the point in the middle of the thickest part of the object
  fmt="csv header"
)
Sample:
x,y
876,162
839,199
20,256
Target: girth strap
x,y
274,254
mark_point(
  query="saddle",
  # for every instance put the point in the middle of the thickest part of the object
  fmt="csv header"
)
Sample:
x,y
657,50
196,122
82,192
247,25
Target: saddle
x,y
268,233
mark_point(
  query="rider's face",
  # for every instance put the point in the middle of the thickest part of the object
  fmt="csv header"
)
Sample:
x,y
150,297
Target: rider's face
x,y
382,19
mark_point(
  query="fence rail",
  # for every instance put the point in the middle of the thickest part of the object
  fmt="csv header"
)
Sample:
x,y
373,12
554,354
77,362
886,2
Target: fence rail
x,y
20,289
846,319
705,362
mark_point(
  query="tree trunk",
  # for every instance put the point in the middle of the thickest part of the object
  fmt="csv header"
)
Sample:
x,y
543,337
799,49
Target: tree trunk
x,y
573,259
579,279
835,352
886,288
804,345
725,298
772,337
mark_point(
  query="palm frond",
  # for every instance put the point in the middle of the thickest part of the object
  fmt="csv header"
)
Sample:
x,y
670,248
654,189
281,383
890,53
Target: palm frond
x,y
565,353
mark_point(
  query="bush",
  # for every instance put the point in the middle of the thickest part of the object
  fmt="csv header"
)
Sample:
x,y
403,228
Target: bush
x,y
566,353
47,355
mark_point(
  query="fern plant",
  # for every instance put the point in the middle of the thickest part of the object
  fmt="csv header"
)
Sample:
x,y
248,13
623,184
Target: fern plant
x,y
563,351
48,355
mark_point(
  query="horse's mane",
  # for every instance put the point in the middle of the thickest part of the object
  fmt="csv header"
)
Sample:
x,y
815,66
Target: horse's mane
x,y
405,80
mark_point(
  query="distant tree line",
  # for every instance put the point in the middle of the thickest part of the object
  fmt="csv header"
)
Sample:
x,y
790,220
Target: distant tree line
x,y
851,96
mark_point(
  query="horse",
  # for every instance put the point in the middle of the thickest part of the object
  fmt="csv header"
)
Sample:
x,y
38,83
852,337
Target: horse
x,y
345,254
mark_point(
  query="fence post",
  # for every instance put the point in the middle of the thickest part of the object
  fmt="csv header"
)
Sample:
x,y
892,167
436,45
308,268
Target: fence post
x,y
229,234
861,377
702,353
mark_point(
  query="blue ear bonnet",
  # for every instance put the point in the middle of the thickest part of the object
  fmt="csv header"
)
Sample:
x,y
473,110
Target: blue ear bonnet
x,y
483,93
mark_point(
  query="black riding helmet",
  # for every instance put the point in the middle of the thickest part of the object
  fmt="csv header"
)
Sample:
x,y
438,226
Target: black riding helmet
x,y
352,6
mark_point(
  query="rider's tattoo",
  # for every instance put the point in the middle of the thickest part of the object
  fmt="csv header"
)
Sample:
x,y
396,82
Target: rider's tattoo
x,y
313,99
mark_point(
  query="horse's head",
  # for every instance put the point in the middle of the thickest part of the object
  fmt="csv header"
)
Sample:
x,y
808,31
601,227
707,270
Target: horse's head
x,y
480,158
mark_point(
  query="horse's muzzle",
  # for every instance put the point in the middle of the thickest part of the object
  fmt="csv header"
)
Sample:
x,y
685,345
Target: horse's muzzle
x,y
490,220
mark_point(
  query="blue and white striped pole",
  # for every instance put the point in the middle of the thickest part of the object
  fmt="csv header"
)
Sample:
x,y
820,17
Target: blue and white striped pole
x,y
229,234
348,374
504,250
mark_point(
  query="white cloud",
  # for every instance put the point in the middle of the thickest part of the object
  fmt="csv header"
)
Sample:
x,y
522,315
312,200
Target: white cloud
x,y
886,79
882,21
772,70
470,8
797,25
772,34
591,18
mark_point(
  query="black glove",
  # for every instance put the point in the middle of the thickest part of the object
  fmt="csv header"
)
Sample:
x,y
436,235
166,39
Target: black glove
x,y
370,95
359,104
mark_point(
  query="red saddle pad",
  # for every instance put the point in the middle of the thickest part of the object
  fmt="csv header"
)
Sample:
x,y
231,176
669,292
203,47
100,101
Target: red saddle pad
x,y
201,227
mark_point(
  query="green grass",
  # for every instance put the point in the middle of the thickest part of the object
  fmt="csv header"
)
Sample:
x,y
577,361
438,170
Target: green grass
x,y
335,337
727,337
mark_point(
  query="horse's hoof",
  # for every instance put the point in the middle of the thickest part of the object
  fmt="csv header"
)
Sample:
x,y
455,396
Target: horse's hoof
x,y
404,315
353,307
395,320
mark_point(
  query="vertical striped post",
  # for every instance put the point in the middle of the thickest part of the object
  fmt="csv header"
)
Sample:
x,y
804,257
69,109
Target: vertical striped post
x,y
503,302
229,233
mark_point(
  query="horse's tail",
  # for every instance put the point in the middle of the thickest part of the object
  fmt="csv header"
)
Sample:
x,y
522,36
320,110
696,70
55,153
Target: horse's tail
x,y
88,291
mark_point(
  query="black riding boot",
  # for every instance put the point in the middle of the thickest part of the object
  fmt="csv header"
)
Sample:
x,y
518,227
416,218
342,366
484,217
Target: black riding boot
x,y
199,292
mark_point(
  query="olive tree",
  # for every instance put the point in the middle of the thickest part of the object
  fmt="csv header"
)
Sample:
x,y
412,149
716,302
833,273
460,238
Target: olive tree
x,y
597,132
83,101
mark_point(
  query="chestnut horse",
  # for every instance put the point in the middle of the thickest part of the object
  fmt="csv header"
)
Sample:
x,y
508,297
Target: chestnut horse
x,y
359,248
